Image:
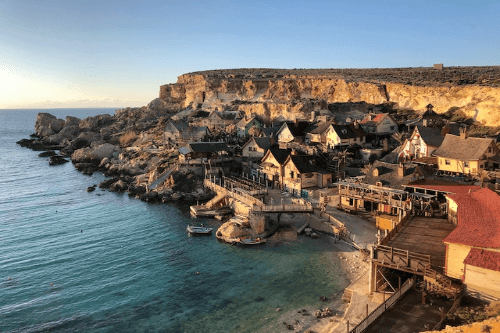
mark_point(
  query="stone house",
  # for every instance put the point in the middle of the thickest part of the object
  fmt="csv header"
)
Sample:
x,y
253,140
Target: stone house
x,y
381,124
344,135
245,124
467,155
473,247
174,129
302,172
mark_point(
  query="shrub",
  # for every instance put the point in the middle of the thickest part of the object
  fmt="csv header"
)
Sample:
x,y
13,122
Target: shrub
x,y
127,138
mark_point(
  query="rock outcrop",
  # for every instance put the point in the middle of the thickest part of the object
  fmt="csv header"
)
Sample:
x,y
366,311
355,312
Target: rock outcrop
x,y
296,93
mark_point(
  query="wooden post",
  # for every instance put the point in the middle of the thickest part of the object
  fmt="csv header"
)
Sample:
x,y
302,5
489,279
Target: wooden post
x,y
399,284
384,295
348,326
366,310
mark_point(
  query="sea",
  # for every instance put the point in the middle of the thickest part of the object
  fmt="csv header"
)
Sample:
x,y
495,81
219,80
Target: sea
x,y
77,261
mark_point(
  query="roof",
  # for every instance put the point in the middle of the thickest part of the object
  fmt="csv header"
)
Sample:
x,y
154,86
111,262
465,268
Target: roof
x,y
173,126
369,121
207,147
478,219
245,121
349,131
433,136
388,174
304,163
484,259
296,128
430,113
318,127
463,149
393,156
270,131
194,131
280,155
200,114
263,142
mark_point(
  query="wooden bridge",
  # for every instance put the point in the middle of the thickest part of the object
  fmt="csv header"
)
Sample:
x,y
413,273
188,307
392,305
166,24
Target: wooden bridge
x,y
285,208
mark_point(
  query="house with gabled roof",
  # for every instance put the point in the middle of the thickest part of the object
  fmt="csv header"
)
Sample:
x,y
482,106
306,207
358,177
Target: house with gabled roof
x,y
194,133
381,124
292,132
218,119
467,155
271,165
424,140
202,150
344,135
304,172
473,247
316,132
173,129
256,147
245,124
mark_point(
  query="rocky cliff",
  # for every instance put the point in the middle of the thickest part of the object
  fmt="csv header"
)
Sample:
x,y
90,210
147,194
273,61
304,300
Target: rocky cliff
x,y
296,93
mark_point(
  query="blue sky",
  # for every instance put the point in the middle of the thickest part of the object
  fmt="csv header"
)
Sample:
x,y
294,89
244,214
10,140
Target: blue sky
x,y
117,53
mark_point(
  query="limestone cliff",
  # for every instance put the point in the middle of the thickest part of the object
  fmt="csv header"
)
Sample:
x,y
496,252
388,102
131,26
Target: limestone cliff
x,y
295,93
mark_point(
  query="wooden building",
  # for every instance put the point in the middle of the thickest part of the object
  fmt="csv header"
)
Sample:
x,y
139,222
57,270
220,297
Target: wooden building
x,y
381,124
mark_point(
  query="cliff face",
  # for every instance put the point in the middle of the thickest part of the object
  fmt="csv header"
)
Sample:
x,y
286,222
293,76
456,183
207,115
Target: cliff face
x,y
295,93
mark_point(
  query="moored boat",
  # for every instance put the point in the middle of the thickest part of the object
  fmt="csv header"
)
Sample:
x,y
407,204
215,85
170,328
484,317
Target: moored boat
x,y
192,230
251,241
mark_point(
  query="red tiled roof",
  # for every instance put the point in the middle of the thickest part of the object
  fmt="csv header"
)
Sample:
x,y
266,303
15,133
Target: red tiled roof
x,y
478,219
484,259
465,189
376,119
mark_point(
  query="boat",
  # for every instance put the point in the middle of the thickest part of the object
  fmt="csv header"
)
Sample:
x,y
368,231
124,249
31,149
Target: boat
x,y
251,241
192,230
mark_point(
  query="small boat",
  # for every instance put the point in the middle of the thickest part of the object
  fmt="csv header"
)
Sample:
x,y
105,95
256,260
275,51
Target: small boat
x,y
192,230
251,241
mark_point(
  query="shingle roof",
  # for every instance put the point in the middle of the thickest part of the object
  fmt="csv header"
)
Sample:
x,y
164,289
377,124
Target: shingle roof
x,y
478,219
318,127
458,189
280,154
207,147
264,143
305,163
469,149
484,259
373,121
179,125
432,135
349,131
297,129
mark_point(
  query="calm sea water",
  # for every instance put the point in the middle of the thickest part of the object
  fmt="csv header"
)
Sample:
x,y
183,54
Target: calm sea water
x,y
103,262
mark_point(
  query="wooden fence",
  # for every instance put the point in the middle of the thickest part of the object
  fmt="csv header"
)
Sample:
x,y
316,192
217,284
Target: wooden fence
x,y
363,325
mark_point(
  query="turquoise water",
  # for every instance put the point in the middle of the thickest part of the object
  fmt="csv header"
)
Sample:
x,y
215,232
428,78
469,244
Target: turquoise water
x,y
103,262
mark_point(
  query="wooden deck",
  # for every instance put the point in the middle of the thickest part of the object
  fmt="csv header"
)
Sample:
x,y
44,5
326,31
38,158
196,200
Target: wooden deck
x,y
424,235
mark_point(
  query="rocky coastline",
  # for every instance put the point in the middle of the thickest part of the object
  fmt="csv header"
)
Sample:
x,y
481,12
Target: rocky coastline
x,y
125,147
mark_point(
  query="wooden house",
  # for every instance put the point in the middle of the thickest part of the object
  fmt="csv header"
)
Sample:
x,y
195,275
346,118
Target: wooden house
x,y
317,131
467,155
381,124
473,247
218,119
292,132
425,140
344,135
252,152
302,172
272,166
202,151
245,124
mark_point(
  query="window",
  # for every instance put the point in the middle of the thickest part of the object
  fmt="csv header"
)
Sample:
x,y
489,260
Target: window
x,y
291,174
392,128
447,162
490,150
466,164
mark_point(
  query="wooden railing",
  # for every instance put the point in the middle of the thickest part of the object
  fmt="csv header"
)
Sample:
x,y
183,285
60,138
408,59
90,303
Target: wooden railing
x,y
402,259
235,193
363,325
300,208
390,235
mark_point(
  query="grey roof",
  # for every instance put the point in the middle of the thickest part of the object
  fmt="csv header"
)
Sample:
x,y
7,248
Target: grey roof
x,y
174,126
468,149
393,156
432,135
270,131
318,127
194,131
264,143
280,154
388,174
305,163
349,131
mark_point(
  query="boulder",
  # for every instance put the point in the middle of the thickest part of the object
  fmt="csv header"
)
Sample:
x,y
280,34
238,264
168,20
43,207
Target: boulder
x,y
56,125
43,123
71,121
47,153
118,186
107,182
94,155
56,160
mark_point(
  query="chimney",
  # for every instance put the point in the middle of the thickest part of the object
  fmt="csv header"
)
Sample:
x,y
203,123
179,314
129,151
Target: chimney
x,y
296,122
401,170
445,130
463,133
313,116
356,124
293,152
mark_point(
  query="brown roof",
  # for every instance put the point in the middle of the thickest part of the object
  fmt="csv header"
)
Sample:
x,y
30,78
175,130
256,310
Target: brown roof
x,y
469,149
388,174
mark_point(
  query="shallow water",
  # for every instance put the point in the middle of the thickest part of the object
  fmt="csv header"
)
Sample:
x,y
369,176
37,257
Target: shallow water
x,y
103,262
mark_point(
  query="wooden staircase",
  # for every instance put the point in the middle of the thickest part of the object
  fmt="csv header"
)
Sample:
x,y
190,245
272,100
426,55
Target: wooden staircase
x,y
441,285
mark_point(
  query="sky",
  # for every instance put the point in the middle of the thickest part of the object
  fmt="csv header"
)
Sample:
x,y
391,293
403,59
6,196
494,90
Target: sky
x,y
106,53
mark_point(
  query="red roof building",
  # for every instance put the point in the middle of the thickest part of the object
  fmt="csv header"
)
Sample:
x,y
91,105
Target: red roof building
x,y
483,259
